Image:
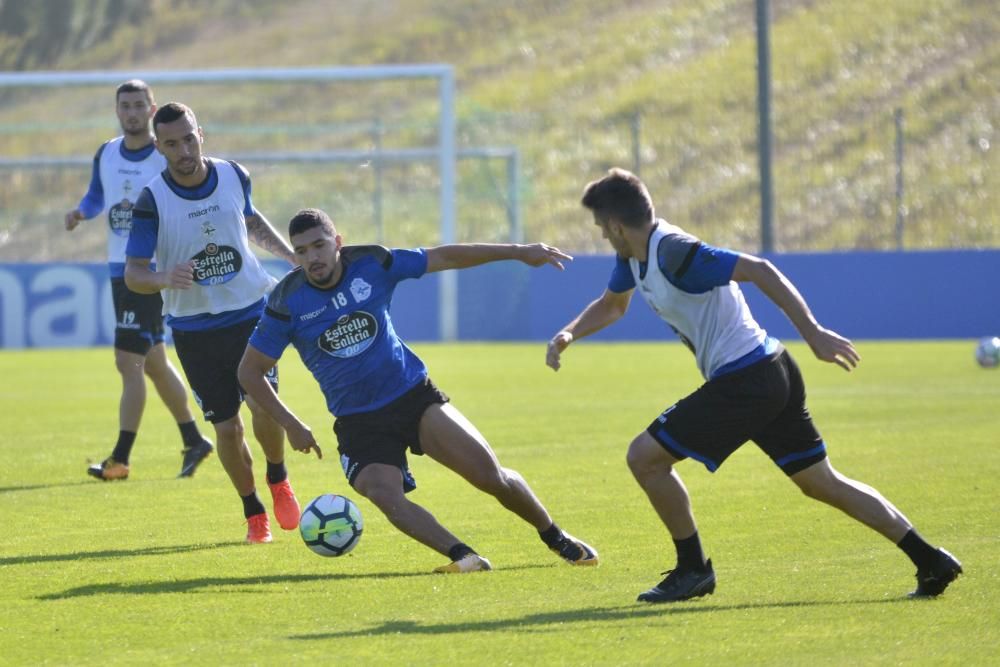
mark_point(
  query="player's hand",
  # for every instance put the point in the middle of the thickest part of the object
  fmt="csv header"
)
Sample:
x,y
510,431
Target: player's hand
x,y
72,219
537,254
301,439
832,347
556,346
181,276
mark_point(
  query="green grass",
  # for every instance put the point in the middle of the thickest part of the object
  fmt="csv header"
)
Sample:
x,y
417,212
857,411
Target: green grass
x,y
153,570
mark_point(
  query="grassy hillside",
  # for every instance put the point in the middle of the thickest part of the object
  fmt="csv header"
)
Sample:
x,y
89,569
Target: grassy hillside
x,y
561,81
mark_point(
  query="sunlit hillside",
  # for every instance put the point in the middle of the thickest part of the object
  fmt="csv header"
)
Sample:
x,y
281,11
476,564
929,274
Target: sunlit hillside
x,y
665,86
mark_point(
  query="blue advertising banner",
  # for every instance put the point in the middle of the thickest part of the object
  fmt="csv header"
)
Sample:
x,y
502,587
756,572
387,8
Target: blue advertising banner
x,y
863,295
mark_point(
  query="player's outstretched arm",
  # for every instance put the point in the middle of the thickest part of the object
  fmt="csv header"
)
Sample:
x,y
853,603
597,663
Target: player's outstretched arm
x,y
603,311
252,371
465,255
827,345
264,235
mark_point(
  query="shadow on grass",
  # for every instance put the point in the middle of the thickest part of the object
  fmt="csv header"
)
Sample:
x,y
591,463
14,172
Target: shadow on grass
x,y
537,622
114,553
192,585
96,483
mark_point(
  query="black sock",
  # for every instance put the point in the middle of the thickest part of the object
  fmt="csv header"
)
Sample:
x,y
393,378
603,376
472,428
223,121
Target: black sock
x,y
552,536
190,433
276,472
689,553
460,551
920,552
252,505
124,446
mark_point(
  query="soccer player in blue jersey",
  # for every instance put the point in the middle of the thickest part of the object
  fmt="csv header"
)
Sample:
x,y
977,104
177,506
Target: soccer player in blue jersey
x,y
197,217
334,309
122,166
753,389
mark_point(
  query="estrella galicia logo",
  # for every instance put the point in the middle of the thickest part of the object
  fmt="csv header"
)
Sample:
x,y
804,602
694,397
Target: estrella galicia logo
x,y
216,264
120,218
350,335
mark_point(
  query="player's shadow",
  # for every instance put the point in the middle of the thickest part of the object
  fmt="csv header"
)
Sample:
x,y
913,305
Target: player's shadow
x,y
35,487
556,620
114,553
195,585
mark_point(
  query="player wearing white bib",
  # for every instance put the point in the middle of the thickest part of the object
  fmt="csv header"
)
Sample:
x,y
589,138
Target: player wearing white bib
x,y
198,219
753,389
335,311
122,166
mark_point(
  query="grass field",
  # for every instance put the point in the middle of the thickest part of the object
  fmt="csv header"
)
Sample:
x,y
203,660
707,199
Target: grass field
x,y
154,571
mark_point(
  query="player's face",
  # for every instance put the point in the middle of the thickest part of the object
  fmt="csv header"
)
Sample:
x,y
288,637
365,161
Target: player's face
x,y
180,143
318,253
615,235
134,113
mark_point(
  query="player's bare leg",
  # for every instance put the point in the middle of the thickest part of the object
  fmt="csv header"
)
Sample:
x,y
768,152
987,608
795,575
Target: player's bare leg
x,y
653,469
936,568
131,367
452,440
168,383
382,484
271,437
234,454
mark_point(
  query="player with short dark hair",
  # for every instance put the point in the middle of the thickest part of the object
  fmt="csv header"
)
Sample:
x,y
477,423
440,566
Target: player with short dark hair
x,y
122,166
197,217
753,388
334,309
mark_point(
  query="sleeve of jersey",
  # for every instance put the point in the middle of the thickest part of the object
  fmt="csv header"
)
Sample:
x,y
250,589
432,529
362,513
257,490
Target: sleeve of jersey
x,y
404,264
273,333
244,177
693,266
622,279
93,202
145,227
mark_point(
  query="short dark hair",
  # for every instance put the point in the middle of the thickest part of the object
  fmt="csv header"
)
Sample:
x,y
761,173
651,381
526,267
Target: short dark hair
x,y
170,112
135,86
309,218
619,195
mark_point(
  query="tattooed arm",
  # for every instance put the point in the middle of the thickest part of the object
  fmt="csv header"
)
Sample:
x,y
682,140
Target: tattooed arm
x,y
264,236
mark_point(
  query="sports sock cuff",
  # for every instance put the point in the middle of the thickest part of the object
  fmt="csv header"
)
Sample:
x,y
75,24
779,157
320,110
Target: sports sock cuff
x,y
123,448
551,535
276,472
460,551
190,433
252,505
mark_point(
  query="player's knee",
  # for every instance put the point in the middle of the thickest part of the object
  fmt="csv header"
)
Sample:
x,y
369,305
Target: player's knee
x,y
641,458
230,431
129,365
386,497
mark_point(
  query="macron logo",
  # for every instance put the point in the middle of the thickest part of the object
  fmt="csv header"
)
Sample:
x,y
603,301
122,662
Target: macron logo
x,y
214,208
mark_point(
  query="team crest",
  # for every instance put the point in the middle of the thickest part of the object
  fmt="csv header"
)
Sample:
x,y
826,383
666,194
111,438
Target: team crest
x,y
360,290
207,229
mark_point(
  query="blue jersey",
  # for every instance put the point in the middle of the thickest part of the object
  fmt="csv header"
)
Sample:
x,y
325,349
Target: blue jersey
x,y
344,333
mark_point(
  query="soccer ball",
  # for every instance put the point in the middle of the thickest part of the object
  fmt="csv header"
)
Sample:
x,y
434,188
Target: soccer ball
x,y
988,352
331,525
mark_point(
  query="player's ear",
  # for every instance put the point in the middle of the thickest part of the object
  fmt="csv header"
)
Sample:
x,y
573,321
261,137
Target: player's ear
x,y
339,240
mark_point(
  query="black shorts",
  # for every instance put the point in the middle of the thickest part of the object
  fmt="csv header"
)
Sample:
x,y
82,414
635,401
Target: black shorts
x,y
384,435
211,359
764,402
138,318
